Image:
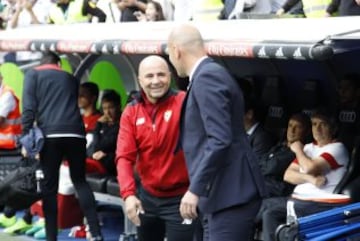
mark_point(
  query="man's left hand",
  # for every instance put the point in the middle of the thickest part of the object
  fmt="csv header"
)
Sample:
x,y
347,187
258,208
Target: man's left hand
x,y
188,205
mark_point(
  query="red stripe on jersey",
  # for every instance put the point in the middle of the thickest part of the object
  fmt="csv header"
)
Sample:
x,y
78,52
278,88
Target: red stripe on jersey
x,y
331,160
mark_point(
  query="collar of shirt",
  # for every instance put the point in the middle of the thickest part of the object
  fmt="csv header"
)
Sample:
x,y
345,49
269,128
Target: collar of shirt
x,y
252,129
149,107
196,65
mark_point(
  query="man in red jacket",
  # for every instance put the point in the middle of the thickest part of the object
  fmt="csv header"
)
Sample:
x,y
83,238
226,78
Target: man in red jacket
x,y
147,140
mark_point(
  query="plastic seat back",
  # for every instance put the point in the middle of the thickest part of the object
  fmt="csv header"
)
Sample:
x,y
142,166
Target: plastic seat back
x,y
353,170
276,111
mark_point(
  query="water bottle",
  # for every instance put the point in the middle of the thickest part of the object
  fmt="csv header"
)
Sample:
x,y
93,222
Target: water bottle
x,y
291,215
39,175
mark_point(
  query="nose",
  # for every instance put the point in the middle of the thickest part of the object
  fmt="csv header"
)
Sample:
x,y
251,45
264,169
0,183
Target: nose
x,y
156,79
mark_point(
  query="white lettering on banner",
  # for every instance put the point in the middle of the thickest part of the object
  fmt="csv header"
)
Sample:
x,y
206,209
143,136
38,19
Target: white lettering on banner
x,y
32,47
104,49
262,52
52,47
42,47
116,49
279,52
297,53
93,48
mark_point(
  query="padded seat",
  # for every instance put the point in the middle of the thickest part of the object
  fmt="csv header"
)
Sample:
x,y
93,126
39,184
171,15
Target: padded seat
x,y
112,187
97,182
274,100
8,163
351,173
11,152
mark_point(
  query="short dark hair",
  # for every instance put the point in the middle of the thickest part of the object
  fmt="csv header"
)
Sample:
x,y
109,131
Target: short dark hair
x,y
50,58
256,105
303,118
111,96
329,117
91,87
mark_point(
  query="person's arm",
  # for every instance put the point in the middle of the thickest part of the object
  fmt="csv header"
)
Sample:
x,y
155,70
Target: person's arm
x,y
90,8
28,5
332,7
313,166
126,154
294,176
15,17
287,6
29,101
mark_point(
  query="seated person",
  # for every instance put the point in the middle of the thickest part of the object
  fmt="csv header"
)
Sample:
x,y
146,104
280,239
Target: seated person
x,y
101,152
260,139
274,164
88,95
316,170
10,126
348,113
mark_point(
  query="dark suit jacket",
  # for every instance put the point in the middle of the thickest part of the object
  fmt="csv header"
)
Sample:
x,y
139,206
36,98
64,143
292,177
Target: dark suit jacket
x,y
261,141
222,167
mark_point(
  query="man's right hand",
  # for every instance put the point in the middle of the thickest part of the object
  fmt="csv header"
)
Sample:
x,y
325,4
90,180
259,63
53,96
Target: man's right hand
x,y
319,181
133,208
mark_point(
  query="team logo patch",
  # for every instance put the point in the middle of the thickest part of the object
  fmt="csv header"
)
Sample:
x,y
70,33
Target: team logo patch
x,y
140,121
167,115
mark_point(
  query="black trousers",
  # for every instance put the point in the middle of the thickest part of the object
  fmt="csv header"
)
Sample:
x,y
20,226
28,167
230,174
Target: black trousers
x,y
231,224
162,218
51,156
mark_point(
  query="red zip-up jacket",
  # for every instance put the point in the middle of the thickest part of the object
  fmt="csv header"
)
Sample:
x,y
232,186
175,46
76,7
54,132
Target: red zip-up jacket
x,y
149,143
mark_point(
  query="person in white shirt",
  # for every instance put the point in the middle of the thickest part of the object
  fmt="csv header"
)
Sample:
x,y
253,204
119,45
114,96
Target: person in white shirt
x,y
318,168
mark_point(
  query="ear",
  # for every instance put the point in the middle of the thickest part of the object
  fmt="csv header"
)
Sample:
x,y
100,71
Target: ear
x,y
177,52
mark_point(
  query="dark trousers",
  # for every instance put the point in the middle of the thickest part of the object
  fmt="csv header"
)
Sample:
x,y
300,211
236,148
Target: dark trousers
x,y
275,214
162,218
231,224
51,156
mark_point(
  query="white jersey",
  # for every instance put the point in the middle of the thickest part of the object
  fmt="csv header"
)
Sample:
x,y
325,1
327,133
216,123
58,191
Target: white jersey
x,y
337,157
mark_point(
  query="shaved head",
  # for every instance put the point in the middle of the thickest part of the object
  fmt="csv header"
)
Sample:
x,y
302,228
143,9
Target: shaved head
x,y
187,37
150,61
185,47
154,77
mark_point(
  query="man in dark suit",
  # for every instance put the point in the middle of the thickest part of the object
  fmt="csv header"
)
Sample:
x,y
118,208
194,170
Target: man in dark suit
x,y
260,139
226,185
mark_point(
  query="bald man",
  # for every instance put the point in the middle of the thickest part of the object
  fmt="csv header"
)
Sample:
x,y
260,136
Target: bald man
x,y
226,185
147,145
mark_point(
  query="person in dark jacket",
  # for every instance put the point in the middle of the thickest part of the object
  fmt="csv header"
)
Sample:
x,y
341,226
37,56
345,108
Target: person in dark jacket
x,y
147,147
274,164
279,157
102,149
344,7
260,139
50,97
